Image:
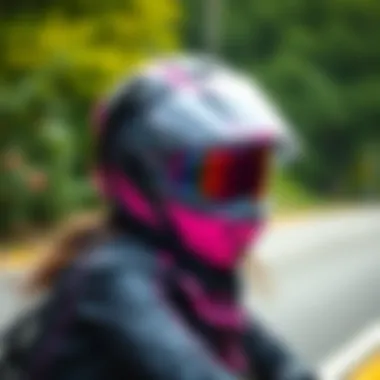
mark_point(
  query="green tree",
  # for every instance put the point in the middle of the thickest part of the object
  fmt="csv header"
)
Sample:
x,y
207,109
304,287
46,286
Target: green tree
x,y
57,58
320,59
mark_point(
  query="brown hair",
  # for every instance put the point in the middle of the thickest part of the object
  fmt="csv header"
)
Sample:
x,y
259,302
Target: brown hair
x,y
76,234
65,246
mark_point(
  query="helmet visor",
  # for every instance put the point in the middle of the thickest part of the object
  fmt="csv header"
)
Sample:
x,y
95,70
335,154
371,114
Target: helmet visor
x,y
221,174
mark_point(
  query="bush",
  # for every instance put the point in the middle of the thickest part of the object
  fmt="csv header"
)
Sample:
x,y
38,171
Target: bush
x,y
53,65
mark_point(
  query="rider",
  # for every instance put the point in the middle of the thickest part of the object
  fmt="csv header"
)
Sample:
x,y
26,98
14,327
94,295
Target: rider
x,y
184,153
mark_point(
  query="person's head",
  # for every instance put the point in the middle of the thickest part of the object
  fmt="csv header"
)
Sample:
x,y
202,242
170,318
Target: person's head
x,y
185,148
184,152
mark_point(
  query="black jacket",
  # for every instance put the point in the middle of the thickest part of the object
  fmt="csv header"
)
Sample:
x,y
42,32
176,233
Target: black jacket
x,y
127,323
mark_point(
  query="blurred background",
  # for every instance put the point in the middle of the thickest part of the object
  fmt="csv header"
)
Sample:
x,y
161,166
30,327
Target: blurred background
x,y
319,60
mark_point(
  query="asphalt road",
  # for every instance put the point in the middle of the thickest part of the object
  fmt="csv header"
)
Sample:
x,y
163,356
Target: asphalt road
x,y
326,276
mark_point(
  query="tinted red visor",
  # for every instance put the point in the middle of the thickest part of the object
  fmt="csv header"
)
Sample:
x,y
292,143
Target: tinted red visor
x,y
222,174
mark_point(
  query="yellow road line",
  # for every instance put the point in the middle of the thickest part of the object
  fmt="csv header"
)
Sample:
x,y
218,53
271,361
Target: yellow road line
x,y
356,359
370,370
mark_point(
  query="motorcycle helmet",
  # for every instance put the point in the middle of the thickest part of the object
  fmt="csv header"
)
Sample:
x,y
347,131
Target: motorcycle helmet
x,y
185,146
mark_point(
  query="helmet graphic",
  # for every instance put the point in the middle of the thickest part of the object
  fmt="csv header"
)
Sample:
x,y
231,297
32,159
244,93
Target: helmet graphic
x,y
184,149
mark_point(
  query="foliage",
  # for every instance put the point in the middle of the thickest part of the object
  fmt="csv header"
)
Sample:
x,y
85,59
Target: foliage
x,y
57,57
320,59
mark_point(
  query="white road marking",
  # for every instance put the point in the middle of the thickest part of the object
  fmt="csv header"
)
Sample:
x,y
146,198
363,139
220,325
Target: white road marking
x,y
352,355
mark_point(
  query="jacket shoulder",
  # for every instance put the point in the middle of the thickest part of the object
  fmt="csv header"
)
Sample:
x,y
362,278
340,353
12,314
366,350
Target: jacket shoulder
x,y
118,252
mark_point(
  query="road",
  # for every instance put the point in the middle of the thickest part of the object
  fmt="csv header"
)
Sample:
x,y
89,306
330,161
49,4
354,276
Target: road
x,y
326,274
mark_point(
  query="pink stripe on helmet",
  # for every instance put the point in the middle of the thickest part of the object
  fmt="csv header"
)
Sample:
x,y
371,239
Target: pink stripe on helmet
x,y
177,77
215,240
113,184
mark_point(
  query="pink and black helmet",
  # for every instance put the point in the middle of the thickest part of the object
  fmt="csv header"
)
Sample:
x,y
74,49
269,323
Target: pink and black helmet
x,y
184,148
